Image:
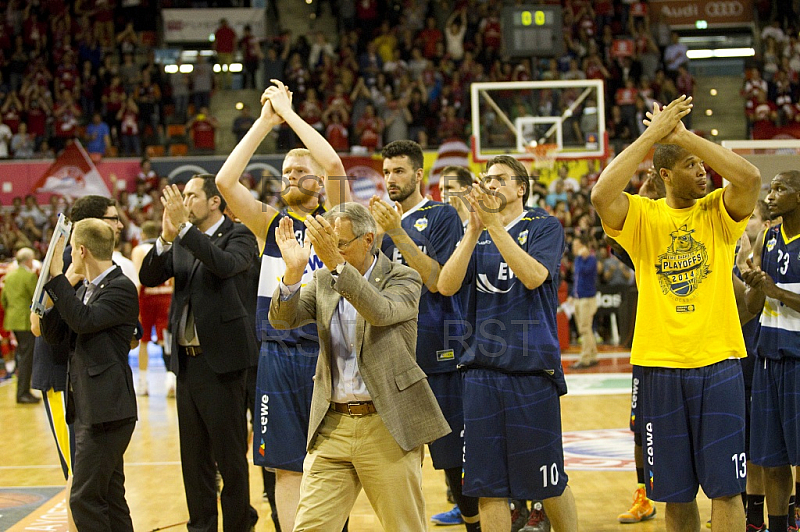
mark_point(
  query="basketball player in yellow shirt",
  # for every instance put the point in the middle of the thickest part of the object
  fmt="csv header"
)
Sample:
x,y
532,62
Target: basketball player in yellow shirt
x,y
687,335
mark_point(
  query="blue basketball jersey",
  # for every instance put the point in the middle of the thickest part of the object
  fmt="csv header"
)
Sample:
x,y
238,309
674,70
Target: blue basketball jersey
x,y
514,327
272,270
436,229
780,325
750,329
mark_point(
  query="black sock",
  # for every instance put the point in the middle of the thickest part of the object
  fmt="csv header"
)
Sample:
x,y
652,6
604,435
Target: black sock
x,y
467,505
755,510
778,523
640,475
473,527
790,514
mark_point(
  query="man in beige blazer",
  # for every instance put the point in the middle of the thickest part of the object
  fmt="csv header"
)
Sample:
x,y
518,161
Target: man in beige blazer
x,y
372,408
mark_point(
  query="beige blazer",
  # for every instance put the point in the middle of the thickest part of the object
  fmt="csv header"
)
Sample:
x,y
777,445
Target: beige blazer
x,y
386,339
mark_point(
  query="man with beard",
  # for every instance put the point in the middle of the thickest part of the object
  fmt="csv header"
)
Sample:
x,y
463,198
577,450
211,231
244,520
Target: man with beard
x,y
688,334
774,278
213,345
422,234
287,359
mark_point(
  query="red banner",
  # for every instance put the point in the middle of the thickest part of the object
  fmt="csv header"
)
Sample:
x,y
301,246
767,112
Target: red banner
x,y
18,178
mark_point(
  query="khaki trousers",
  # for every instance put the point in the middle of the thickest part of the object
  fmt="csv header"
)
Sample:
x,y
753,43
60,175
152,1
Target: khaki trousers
x,y
354,452
585,309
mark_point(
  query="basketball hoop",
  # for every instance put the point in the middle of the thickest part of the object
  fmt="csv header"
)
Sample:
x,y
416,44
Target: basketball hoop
x,y
544,155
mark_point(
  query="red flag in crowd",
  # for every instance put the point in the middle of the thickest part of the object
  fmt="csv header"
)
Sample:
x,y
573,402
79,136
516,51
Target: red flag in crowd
x,y
73,174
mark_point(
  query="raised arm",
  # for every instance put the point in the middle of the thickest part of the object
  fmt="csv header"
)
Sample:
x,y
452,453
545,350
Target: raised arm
x,y
253,213
744,179
337,190
607,195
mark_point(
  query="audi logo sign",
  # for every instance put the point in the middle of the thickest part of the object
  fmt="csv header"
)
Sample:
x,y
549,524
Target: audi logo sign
x,y
687,12
730,8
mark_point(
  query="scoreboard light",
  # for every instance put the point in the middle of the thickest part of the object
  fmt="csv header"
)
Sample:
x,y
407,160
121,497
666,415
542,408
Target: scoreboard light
x,y
533,30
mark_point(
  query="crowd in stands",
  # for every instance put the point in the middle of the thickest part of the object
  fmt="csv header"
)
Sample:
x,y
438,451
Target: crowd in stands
x,y
395,70
771,86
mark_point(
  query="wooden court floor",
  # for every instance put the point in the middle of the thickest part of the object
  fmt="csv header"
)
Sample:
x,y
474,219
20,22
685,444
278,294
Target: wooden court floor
x,y
155,489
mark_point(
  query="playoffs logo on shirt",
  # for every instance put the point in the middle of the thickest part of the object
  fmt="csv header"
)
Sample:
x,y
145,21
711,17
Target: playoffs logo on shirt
x,y
685,264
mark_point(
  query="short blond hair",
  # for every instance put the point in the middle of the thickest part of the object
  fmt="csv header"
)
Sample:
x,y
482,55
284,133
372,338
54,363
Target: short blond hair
x,y
96,236
303,152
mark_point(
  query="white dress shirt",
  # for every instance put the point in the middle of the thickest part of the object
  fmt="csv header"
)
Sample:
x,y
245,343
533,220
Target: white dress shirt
x,y
347,384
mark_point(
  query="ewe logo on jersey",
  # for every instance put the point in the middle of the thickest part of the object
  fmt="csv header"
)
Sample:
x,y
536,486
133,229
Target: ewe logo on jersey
x,y
522,237
421,224
504,274
771,244
685,264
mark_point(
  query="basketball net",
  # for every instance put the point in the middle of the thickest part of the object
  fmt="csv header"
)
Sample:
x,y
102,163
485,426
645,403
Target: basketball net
x,y
544,155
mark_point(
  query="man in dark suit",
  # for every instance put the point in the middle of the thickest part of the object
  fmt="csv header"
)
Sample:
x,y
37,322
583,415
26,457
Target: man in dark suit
x,y
99,319
213,337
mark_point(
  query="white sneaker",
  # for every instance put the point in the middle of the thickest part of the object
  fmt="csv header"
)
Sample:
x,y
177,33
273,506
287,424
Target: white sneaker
x,y
143,385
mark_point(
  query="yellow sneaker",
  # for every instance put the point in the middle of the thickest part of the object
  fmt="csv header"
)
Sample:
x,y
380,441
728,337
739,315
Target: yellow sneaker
x,y
642,509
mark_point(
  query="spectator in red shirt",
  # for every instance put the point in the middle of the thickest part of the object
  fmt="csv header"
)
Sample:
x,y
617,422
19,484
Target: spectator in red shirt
x,y
225,45
67,75
112,99
429,37
491,31
67,114
764,110
311,111
128,119
37,112
12,111
369,129
336,131
625,99
203,126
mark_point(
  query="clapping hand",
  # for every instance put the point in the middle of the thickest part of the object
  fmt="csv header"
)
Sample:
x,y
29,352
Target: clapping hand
x,y
388,219
294,255
325,240
279,97
485,206
757,279
666,122
175,210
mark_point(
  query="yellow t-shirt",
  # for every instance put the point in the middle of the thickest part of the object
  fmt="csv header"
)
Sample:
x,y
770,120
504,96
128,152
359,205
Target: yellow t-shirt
x,y
686,315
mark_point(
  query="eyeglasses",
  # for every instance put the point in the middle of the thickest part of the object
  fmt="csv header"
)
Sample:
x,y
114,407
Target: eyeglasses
x,y
343,246
111,218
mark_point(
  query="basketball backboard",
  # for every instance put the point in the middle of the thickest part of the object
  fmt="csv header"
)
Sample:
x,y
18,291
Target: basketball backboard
x,y
511,117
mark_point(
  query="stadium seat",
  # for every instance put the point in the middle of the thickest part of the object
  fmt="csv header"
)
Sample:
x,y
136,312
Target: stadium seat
x,y
178,150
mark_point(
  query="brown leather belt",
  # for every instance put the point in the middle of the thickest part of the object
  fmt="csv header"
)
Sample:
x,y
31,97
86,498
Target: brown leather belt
x,y
191,350
355,408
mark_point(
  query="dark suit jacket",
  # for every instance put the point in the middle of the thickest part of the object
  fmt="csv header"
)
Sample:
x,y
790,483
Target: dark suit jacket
x,y
212,274
101,331
386,342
